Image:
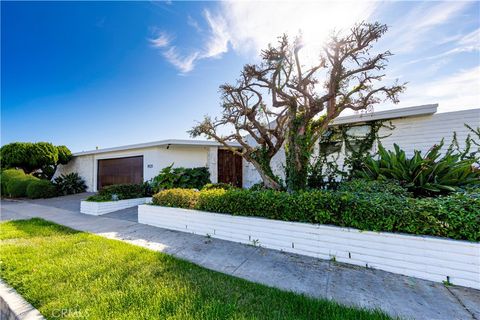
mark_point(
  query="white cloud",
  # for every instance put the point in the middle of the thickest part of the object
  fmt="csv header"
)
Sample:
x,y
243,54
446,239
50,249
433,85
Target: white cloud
x,y
471,40
250,26
217,43
467,43
414,28
253,25
161,40
458,91
194,23
184,63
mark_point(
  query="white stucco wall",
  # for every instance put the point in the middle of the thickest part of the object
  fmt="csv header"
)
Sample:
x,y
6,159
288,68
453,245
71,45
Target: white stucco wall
x,y
83,166
411,133
213,163
154,159
421,133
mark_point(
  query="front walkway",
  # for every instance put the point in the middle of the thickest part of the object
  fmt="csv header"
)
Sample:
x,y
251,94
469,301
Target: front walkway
x,y
395,294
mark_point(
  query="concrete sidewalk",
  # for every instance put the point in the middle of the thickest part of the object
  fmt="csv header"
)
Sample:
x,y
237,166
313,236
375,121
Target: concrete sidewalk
x,y
397,295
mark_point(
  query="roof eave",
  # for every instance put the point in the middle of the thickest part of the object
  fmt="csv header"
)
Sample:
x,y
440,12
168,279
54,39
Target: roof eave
x,y
423,110
161,143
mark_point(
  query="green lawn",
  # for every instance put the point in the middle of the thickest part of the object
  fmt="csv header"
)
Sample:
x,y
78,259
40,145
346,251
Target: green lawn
x,y
84,276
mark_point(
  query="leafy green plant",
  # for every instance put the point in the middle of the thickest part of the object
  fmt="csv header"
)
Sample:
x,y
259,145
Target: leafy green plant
x,y
220,185
70,184
258,187
17,186
373,186
119,192
170,177
41,189
423,175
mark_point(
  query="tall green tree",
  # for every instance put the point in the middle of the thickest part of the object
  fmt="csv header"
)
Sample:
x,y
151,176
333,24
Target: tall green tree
x,y
284,102
40,159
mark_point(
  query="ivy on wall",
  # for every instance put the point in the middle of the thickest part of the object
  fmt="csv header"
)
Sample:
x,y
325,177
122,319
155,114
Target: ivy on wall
x,y
354,142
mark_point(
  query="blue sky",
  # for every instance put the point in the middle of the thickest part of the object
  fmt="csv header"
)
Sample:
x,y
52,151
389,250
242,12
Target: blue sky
x,y
89,74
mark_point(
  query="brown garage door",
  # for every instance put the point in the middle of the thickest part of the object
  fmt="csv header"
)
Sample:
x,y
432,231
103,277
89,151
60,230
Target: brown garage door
x,y
119,171
229,168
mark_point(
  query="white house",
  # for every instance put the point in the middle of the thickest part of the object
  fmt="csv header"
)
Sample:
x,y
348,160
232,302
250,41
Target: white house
x,y
417,128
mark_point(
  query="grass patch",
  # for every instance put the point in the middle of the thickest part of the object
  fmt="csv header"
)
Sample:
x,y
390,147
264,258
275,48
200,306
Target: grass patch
x,y
70,274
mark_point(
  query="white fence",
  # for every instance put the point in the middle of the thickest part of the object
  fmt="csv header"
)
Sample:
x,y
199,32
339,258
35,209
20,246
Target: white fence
x,y
99,208
422,257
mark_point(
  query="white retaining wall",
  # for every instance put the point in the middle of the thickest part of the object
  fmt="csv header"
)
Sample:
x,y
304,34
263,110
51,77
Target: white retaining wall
x,y
99,208
422,257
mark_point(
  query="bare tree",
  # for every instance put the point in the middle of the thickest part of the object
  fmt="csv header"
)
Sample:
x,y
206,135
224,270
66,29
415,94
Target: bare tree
x,y
300,108
245,117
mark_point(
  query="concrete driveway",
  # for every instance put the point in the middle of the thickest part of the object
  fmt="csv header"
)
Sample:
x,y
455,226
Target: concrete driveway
x,y
71,203
397,295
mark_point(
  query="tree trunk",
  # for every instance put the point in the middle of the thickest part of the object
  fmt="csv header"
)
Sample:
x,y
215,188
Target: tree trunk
x,y
266,174
269,182
298,152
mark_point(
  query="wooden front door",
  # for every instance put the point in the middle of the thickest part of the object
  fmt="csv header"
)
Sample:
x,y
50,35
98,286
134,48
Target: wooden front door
x,y
229,168
119,171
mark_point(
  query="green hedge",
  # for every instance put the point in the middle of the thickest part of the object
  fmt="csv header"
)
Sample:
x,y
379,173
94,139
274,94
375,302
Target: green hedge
x,y
456,216
120,192
41,189
8,175
372,186
17,186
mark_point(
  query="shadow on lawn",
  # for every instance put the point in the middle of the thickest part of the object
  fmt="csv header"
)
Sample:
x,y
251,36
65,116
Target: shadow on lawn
x,y
34,227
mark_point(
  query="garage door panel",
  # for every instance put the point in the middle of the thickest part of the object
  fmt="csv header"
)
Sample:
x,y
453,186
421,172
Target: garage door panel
x,y
120,171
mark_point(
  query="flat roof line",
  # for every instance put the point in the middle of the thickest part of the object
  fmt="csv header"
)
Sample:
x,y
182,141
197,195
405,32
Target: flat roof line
x,y
160,143
416,111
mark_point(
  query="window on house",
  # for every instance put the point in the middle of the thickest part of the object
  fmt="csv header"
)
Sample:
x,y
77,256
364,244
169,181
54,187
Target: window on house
x,y
331,143
357,135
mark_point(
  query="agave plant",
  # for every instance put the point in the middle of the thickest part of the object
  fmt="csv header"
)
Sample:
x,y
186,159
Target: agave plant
x,y
70,184
423,175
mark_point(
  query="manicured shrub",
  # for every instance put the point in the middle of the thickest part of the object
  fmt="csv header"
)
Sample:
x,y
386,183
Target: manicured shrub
x,y
179,198
40,159
170,178
8,175
220,185
373,186
119,192
70,184
17,187
41,189
455,216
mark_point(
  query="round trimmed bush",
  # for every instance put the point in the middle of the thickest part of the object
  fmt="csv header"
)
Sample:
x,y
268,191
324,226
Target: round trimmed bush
x,y
180,198
8,175
17,187
41,189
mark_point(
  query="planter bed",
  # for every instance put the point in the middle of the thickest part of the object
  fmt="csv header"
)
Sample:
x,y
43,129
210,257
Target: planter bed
x,y
423,257
98,208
